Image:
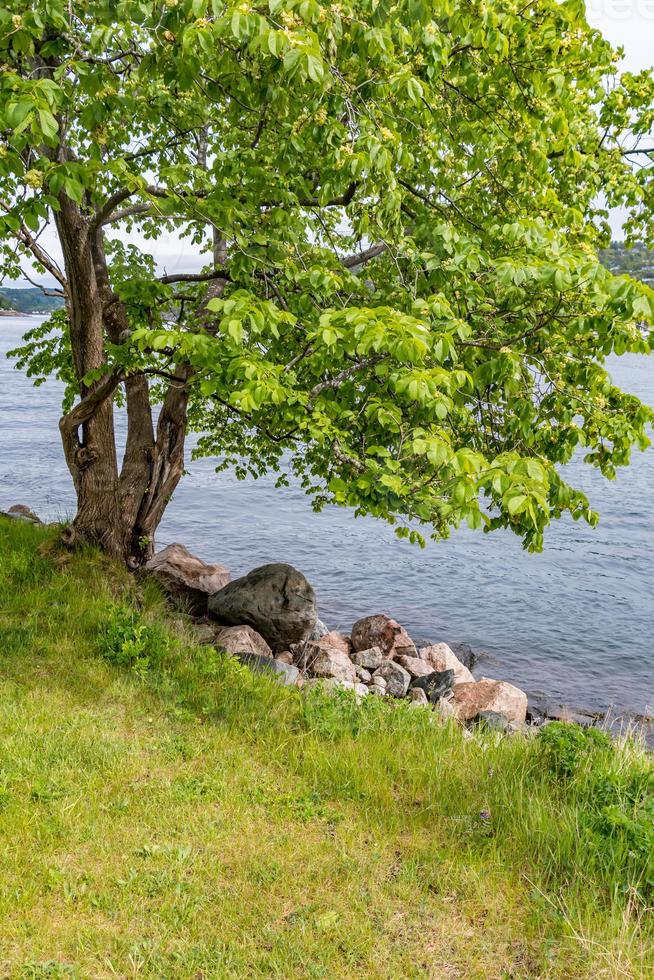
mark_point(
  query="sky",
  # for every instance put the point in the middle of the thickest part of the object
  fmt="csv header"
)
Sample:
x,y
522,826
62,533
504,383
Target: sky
x,y
626,23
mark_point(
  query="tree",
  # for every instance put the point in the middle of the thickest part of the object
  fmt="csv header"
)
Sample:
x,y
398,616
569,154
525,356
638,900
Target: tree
x,y
401,300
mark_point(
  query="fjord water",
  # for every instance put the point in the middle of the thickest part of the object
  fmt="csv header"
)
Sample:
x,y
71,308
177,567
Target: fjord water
x,y
575,622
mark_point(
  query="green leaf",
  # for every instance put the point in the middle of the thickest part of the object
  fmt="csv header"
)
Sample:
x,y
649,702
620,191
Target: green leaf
x,y
414,89
49,125
315,68
516,504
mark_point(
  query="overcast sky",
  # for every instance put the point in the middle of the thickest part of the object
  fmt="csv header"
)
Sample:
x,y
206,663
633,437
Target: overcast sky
x,y
626,23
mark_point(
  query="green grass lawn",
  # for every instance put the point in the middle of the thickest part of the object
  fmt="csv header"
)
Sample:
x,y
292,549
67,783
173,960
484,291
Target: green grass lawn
x,y
164,813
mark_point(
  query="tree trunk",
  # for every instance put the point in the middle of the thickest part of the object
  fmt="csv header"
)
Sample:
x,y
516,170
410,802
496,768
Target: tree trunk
x,y
122,515
118,511
88,435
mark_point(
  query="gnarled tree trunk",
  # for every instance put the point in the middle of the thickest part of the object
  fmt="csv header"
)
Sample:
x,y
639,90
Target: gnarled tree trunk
x,y
119,510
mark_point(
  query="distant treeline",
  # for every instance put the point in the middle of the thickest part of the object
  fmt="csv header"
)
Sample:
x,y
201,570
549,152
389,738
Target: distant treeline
x,y
637,262
28,301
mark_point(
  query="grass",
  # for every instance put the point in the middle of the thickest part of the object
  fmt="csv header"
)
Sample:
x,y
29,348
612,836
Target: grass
x,y
165,813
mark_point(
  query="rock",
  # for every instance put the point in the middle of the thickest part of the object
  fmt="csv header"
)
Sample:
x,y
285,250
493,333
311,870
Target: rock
x,y
188,580
417,696
517,728
536,711
276,600
21,512
304,653
441,657
471,698
416,666
436,685
562,712
297,651
464,653
396,677
286,674
332,684
377,689
330,662
371,659
364,675
328,684
335,641
445,709
242,639
318,630
204,633
541,710
383,632
285,657
494,721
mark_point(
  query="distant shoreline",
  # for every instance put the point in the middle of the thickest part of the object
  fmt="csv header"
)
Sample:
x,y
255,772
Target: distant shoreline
x,y
19,313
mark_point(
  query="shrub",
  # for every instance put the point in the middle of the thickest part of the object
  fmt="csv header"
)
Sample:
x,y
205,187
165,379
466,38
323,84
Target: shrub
x,y
614,794
129,642
624,822
566,748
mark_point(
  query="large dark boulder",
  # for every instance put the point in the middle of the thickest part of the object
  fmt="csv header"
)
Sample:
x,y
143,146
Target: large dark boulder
x,y
276,600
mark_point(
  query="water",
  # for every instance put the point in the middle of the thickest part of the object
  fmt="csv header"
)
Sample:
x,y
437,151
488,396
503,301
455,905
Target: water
x,y
575,622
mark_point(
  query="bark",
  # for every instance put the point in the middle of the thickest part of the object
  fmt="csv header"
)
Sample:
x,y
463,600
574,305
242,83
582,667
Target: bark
x,y
88,433
117,510
166,463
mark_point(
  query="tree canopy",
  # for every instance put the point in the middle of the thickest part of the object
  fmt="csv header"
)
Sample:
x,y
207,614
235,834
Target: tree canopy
x,y
400,207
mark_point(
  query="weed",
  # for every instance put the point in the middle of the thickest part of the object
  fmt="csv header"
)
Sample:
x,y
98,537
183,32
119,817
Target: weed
x,y
566,748
128,641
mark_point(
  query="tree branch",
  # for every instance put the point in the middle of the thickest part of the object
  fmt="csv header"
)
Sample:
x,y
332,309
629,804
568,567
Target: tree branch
x,y
39,253
129,212
44,289
431,204
87,407
342,200
360,258
341,376
107,214
77,457
168,375
195,277
109,206
342,457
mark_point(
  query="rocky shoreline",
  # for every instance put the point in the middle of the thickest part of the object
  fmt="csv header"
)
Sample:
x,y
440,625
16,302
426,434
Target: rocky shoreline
x,y
269,620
